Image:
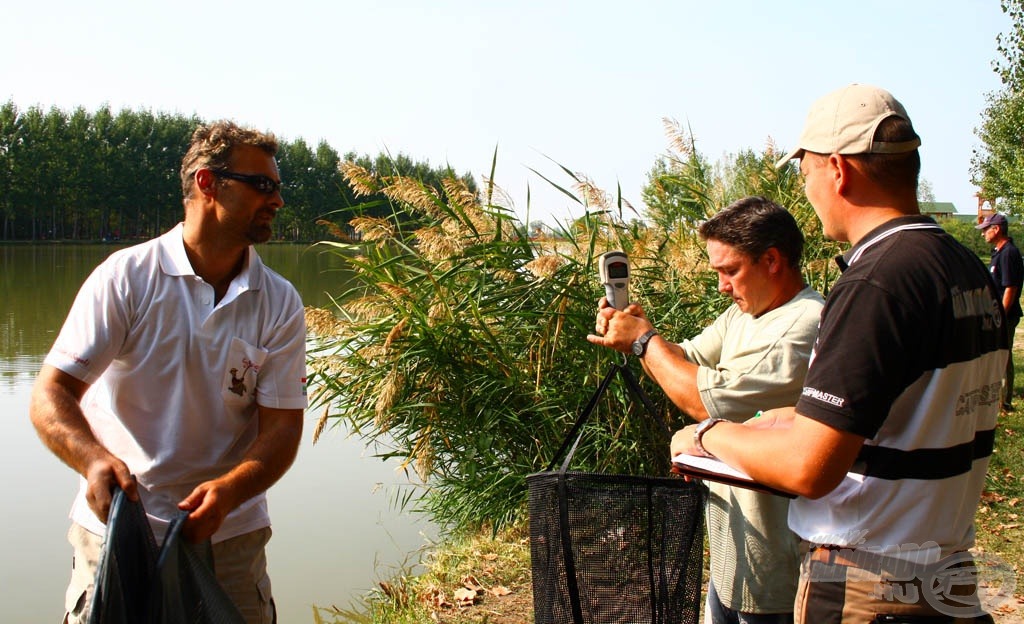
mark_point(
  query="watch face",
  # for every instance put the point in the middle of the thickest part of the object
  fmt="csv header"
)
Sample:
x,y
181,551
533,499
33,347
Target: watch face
x,y
638,348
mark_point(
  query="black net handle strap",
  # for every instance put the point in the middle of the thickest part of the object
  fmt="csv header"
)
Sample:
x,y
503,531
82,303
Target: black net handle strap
x,y
638,392
576,433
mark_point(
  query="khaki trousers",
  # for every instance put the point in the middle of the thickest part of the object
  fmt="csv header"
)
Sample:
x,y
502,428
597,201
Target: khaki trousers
x,y
843,586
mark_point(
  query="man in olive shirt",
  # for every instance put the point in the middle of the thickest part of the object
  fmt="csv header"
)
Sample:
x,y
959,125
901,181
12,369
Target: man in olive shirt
x,y
753,357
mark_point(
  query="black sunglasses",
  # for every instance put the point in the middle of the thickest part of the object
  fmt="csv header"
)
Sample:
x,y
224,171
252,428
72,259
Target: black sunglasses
x,y
261,183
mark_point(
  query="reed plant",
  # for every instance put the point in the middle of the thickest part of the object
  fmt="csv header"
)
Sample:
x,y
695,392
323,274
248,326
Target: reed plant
x,y
461,350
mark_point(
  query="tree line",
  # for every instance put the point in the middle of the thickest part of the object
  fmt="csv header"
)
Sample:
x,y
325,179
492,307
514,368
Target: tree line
x,y
997,166
88,176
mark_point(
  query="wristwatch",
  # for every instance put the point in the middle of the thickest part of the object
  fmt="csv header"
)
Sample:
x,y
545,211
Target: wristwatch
x,y
699,432
640,344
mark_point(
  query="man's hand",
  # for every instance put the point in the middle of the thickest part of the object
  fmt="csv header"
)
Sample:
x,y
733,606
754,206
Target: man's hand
x,y
617,329
682,442
101,477
208,504
269,456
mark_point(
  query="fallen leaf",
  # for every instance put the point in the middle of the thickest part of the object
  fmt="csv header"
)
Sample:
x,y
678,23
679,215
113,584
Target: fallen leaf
x,y
436,598
470,582
992,497
464,596
500,590
490,556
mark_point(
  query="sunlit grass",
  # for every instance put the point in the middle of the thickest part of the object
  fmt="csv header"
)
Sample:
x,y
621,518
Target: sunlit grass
x,y
1000,517
476,579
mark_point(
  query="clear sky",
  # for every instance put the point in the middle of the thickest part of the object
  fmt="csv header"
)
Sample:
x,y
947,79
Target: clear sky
x,y
584,84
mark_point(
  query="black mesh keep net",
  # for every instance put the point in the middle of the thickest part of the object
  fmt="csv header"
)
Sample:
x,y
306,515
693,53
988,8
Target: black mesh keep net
x,y
636,543
610,549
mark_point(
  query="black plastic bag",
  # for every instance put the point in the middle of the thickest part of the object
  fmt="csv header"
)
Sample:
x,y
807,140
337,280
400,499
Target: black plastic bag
x,y
137,583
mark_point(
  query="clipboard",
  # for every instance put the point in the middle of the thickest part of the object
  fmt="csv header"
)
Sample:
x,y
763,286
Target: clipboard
x,y
711,469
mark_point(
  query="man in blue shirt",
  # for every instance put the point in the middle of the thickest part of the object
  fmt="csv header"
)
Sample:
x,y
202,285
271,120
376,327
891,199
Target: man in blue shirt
x,y
1008,273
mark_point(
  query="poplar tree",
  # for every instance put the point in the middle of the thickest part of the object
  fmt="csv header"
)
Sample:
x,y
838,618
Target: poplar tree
x,y
997,167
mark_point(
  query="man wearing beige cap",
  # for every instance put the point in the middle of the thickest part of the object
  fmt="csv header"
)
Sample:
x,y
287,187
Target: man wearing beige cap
x,y
888,445
1008,273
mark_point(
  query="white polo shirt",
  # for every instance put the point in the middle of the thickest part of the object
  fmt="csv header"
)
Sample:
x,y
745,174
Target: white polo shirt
x,y
175,379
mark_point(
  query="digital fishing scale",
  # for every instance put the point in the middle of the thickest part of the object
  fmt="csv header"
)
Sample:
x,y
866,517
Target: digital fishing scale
x,y
613,268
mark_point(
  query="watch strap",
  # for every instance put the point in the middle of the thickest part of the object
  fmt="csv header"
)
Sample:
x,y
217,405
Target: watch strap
x,y
643,340
698,434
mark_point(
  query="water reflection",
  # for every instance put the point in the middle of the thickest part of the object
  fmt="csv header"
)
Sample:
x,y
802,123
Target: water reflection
x,y
335,530
37,285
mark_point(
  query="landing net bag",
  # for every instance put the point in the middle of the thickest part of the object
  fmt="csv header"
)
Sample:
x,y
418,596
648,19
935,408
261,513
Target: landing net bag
x,y
611,548
187,590
139,583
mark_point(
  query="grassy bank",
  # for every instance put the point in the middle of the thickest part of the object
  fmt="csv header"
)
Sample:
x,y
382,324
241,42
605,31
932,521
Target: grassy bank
x,y
473,579
479,579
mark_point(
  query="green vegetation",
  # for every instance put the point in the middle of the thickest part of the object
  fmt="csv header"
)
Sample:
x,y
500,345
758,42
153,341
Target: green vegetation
x,y
1000,524
998,167
969,237
461,350
684,188
478,578
100,176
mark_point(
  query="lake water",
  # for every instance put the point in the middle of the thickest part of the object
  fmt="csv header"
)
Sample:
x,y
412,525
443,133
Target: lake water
x,y
336,531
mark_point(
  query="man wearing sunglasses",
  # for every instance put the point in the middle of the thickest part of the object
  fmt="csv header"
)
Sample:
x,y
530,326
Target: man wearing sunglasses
x,y
179,375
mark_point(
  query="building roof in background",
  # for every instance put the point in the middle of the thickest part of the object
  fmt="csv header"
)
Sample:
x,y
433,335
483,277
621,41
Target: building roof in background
x,y
939,209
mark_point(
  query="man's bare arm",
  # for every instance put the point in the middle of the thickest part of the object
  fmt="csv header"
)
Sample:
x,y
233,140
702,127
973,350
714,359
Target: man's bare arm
x,y
665,362
57,415
792,453
1010,295
268,459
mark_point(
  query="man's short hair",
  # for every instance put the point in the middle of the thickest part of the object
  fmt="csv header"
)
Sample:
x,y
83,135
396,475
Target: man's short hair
x,y
892,171
212,145
753,225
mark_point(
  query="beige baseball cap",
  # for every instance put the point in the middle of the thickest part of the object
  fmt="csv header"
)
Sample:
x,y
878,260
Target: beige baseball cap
x,y
844,122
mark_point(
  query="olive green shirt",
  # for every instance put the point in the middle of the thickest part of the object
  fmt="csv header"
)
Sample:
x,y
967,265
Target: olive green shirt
x,y
748,364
